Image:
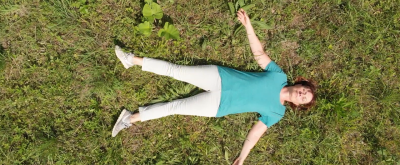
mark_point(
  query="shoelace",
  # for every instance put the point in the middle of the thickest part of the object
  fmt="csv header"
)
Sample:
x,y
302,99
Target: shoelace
x,y
126,58
126,125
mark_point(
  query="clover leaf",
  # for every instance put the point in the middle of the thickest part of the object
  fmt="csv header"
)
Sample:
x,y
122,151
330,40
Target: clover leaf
x,y
145,28
152,11
168,32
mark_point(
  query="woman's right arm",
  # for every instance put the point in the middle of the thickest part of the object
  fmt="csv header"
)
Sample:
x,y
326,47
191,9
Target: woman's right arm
x,y
252,138
259,54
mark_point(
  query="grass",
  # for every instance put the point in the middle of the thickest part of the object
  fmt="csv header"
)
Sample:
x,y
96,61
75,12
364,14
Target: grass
x,y
62,87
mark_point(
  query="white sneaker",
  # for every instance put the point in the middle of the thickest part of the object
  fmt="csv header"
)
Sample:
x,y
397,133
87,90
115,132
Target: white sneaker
x,y
122,122
123,57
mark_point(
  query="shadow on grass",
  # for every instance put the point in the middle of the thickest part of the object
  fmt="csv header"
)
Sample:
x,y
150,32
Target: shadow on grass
x,y
119,43
1,49
198,61
2,58
165,19
193,92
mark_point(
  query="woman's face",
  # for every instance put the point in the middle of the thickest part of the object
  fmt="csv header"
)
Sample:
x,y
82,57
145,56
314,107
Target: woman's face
x,y
301,94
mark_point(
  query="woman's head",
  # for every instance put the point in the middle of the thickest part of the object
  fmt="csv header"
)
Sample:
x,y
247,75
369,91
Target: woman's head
x,y
302,94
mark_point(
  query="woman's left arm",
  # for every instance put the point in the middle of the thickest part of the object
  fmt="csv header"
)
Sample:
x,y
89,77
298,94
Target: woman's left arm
x,y
252,138
256,47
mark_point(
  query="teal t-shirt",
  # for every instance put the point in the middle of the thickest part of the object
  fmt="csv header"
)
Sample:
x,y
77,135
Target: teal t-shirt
x,y
253,92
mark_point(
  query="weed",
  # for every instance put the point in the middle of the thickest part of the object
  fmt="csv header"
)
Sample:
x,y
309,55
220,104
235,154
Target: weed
x,y
151,12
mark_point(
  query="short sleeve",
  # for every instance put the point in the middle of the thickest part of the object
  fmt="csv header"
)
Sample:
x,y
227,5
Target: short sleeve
x,y
268,121
273,67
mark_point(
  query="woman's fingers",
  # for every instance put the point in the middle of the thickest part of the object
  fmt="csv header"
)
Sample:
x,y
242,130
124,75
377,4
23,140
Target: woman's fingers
x,y
242,16
242,13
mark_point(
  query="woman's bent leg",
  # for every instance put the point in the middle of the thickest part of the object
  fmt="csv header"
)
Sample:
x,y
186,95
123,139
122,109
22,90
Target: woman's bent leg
x,y
204,104
204,76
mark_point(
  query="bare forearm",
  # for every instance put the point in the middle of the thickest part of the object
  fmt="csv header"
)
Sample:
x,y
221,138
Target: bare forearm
x,y
255,43
250,142
256,48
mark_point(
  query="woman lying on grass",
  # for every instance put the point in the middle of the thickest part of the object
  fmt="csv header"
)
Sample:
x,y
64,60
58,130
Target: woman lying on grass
x,y
228,91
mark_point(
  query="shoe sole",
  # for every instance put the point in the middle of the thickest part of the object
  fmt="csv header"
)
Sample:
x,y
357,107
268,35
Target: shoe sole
x,y
119,119
121,56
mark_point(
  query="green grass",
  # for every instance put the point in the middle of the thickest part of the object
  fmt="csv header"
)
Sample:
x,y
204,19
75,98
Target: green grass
x,y
62,87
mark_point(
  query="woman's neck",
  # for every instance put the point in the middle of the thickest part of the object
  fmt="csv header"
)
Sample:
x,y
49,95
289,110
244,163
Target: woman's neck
x,y
285,94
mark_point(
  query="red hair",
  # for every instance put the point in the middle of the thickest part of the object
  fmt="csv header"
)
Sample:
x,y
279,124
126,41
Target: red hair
x,y
313,87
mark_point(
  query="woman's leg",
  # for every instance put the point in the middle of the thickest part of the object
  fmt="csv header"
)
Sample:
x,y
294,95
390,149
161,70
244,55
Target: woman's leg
x,y
204,76
204,104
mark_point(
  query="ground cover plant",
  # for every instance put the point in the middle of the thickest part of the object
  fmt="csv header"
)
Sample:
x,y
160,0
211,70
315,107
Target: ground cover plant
x,y
62,87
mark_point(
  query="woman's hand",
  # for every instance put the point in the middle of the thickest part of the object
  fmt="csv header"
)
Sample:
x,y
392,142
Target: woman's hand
x,y
238,161
243,18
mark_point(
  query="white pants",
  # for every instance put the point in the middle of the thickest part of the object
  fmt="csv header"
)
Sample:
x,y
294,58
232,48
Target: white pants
x,y
203,104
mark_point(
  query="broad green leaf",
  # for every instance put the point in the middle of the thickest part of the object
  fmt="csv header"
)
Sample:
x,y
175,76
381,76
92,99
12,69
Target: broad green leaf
x,y
160,163
145,28
227,156
148,1
169,32
241,3
2,60
237,5
247,7
238,29
231,8
262,25
152,11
